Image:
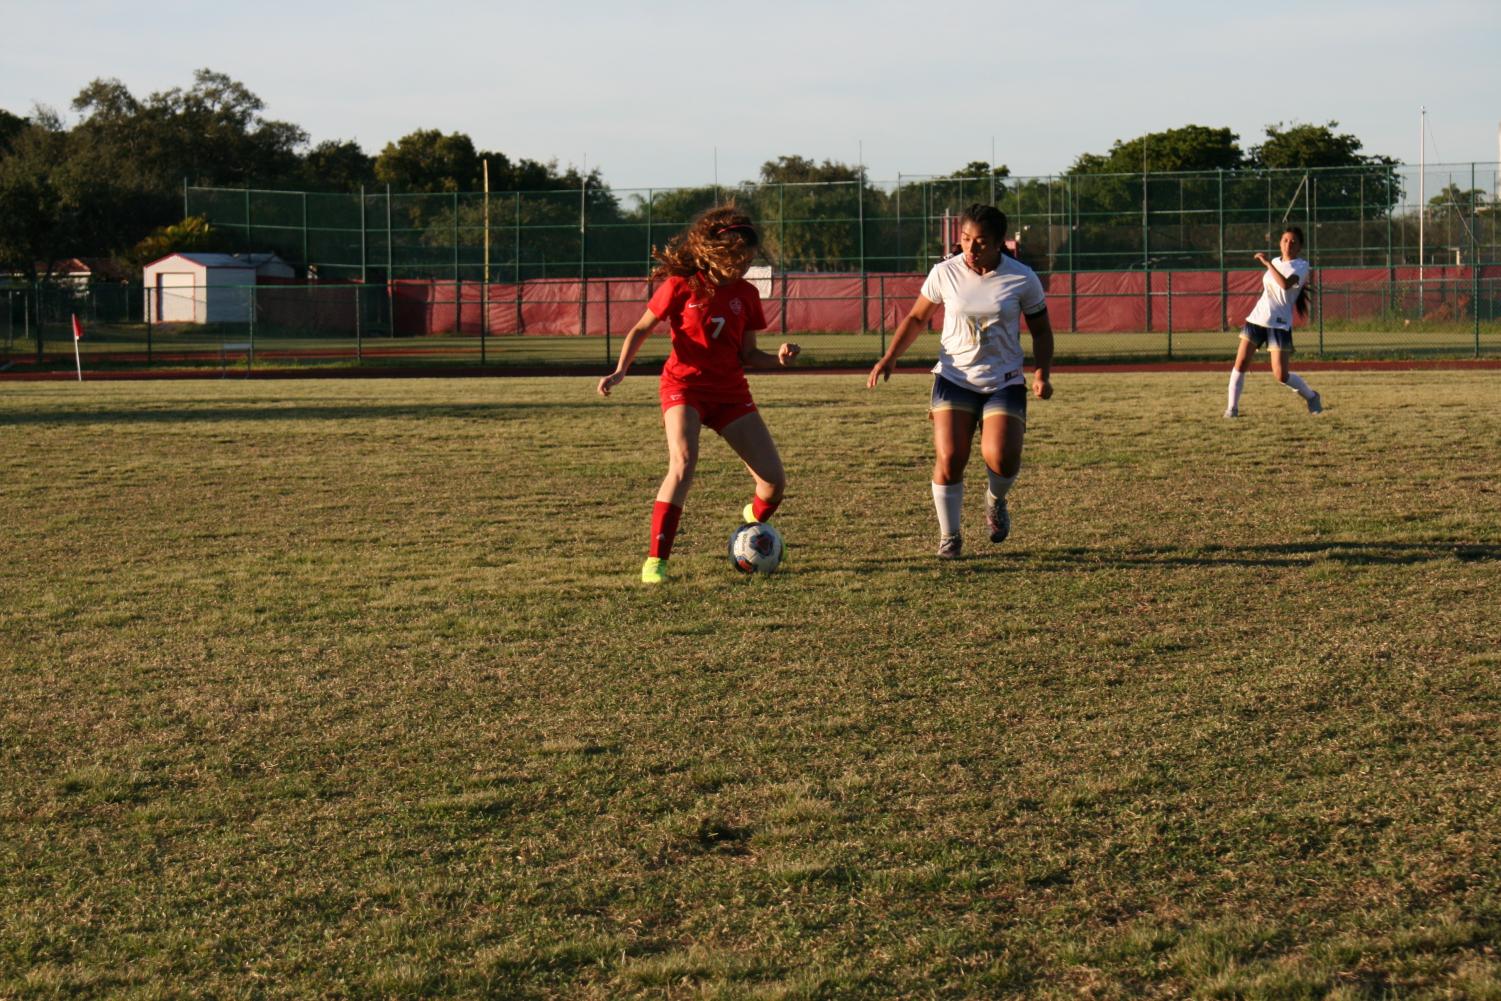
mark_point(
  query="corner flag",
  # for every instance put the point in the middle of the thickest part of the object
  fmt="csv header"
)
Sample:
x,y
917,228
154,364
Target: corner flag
x,y
77,336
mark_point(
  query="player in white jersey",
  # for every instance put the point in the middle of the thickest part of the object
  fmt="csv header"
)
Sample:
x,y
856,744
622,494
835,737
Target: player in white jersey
x,y
978,380
1284,287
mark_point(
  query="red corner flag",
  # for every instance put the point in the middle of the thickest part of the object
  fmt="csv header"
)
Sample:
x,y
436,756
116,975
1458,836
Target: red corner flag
x,y
77,328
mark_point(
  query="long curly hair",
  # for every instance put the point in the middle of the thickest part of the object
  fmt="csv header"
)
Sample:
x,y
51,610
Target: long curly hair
x,y
718,245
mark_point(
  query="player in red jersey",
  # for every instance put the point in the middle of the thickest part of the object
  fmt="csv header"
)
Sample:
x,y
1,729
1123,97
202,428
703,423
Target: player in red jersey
x,y
713,314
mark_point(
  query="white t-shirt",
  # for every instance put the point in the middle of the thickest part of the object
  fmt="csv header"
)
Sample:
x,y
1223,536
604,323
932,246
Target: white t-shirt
x,y
1275,307
981,347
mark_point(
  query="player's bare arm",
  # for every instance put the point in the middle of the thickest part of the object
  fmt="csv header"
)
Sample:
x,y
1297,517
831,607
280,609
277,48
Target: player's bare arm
x,y
753,357
906,332
1286,281
628,350
1041,329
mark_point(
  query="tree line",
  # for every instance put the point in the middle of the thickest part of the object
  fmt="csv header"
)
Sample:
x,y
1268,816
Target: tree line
x,y
110,184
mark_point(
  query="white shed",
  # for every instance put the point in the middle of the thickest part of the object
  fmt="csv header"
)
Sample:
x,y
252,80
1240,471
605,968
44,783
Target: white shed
x,y
207,288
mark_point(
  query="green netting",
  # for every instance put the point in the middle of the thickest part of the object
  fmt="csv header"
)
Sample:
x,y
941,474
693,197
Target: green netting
x,y
1355,217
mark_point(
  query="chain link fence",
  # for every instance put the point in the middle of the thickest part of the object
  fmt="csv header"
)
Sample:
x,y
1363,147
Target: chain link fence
x,y
1137,265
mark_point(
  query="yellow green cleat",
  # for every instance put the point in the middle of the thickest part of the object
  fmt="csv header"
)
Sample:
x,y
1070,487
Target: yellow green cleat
x,y
654,570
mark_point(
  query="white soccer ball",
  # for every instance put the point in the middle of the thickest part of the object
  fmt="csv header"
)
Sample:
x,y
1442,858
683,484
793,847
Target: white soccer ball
x,y
755,547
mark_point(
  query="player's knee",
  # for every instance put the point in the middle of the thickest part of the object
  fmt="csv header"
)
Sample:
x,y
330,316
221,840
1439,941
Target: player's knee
x,y
948,467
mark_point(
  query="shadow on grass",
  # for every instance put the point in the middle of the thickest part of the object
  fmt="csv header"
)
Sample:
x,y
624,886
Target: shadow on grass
x,y
1071,559
352,412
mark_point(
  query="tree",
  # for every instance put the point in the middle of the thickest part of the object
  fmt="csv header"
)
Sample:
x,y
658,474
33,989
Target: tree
x,y
979,168
49,209
10,127
801,170
193,234
1303,146
338,166
1192,147
211,133
809,212
428,160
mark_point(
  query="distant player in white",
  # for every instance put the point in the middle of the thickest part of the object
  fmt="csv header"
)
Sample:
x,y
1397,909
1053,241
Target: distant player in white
x,y
1284,288
978,379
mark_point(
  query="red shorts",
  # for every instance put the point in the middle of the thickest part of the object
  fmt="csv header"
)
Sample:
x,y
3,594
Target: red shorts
x,y
716,409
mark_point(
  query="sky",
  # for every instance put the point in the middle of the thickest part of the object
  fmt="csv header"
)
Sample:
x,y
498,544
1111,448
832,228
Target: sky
x,y
665,94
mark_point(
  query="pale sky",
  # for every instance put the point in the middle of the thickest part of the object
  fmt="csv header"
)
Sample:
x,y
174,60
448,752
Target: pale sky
x,y
655,93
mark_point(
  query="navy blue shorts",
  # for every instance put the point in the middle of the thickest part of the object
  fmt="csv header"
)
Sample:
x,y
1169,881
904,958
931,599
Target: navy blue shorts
x,y
1010,401
1271,338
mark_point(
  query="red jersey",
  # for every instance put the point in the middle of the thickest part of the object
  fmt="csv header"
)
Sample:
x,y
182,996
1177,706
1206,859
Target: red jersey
x,y
707,334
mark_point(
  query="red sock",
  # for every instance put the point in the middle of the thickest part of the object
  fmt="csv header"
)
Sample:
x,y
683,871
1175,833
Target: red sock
x,y
763,509
664,528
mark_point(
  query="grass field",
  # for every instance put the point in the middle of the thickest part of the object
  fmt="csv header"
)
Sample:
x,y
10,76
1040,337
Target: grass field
x,y
181,346
345,689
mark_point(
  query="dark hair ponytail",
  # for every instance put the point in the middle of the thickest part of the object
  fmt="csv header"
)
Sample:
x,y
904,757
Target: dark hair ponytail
x,y
1301,303
991,220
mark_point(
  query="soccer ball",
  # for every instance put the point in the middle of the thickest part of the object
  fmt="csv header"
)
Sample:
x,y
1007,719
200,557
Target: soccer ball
x,y
755,547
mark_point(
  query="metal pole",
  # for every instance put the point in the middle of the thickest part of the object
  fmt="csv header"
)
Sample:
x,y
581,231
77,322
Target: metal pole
x,y
36,292
150,318
583,257
484,294
1474,262
1422,198
363,254
250,355
860,216
607,322
1170,315
898,220
249,240
1073,278
390,266
1311,210
782,243
516,261
359,337
185,212
1224,275
1146,241
882,280
304,233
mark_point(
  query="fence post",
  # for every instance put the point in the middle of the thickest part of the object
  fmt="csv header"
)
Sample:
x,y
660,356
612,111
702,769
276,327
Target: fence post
x,y
881,280
516,261
304,234
1170,315
860,214
359,337
1073,236
363,254
1224,275
583,257
1146,250
1311,210
782,244
390,260
35,292
1474,263
607,321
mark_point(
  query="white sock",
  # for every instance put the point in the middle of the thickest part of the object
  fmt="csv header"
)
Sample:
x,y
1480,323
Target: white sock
x,y
1297,385
1237,381
999,485
948,499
